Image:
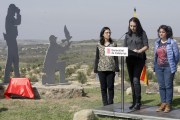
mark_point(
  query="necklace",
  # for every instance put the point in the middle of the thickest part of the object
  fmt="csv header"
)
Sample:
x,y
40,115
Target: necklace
x,y
163,41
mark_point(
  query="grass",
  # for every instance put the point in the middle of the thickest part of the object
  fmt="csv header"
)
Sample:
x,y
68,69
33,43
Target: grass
x,y
64,109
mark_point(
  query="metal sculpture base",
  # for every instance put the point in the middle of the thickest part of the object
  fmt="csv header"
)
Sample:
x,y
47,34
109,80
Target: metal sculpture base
x,y
146,112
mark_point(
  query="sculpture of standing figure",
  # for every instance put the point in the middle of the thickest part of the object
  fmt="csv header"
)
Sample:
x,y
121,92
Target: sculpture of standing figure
x,y
50,63
10,37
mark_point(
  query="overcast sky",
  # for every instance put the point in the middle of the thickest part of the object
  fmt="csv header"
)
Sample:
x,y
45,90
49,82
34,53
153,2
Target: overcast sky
x,y
85,18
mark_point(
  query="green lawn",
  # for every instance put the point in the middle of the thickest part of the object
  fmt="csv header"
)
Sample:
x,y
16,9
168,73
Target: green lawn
x,y
64,109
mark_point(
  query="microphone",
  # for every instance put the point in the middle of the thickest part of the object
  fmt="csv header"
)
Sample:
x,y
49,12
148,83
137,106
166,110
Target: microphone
x,y
123,35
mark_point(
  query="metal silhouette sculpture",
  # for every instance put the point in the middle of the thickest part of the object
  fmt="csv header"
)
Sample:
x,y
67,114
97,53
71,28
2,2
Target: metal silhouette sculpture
x,y
10,37
50,62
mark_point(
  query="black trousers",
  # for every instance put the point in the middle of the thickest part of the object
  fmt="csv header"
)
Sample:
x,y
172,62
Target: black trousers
x,y
106,79
135,66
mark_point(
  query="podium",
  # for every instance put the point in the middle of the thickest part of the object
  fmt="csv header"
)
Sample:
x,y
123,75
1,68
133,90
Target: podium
x,y
19,86
119,51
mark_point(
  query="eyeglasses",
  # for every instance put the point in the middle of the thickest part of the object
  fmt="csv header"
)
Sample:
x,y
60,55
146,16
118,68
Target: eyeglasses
x,y
108,32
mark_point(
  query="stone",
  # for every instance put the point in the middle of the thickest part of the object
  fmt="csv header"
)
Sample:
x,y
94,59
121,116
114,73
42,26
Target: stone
x,y
118,87
3,88
55,91
153,89
129,91
86,114
179,90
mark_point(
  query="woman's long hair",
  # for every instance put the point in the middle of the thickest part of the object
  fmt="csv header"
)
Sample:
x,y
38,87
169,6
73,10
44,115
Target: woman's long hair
x,y
170,32
139,29
102,40
164,27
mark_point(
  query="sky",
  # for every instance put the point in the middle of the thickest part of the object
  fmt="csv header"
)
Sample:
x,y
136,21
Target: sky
x,y
85,18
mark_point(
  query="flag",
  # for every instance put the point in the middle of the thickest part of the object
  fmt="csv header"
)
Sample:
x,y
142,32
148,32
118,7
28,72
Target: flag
x,y
143,77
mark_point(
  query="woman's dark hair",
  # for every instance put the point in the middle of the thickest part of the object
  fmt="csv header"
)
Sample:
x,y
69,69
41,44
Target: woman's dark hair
x,y
170,32
102,40
139,29
164,27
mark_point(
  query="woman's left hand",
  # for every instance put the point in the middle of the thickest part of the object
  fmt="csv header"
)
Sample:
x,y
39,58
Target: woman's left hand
x,y
117,73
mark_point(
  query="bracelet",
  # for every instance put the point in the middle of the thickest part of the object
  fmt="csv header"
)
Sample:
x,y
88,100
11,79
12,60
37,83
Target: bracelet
x,y
140,51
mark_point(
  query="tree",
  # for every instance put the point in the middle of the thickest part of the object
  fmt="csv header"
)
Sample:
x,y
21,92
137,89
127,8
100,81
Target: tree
x,y
81,77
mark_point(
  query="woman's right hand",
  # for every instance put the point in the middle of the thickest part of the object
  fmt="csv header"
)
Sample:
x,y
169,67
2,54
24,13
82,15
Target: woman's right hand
x,y
95,74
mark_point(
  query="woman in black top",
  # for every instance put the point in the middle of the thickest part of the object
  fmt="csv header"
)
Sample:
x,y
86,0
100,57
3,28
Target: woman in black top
x,y
137,42
106,66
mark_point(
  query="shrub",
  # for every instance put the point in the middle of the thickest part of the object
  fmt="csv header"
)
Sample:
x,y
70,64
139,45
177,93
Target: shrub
x,y
88,72
149,74
90,68
34,66
30,74
33,78
28,66
69,72
57,78
23,70
126,76
12,68
40,64
81,77
37,71
78,65
155,78
176,78
2,79
23,75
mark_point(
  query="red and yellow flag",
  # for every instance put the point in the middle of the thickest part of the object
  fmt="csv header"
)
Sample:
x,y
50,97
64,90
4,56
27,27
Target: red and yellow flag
x,y
144,72
144,75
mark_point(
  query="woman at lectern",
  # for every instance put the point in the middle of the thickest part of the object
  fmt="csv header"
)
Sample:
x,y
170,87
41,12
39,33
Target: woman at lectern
x,y
137,42
166,58
106,66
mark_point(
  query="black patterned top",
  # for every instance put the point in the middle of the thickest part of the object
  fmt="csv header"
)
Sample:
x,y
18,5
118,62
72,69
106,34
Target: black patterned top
x,y
105,63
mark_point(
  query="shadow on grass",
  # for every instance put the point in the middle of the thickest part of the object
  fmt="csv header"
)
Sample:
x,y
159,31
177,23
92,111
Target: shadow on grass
x,y
175,102
85,94
3,109
146,101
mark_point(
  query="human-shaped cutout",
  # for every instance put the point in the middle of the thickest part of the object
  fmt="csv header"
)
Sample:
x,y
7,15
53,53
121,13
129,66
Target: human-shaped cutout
x,y
50,63
10,37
